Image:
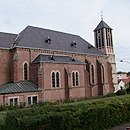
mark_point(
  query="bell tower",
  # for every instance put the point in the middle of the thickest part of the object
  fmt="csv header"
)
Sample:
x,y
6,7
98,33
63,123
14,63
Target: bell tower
x,y
104,42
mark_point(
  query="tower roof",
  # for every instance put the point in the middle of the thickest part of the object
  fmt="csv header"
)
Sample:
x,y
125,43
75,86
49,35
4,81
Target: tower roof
x,y
101,25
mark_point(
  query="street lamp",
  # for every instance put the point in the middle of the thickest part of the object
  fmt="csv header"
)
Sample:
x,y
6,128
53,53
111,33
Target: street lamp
x,y
125,61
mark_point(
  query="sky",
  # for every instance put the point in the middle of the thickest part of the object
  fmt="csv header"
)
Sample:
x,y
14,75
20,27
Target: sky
x,y
78,17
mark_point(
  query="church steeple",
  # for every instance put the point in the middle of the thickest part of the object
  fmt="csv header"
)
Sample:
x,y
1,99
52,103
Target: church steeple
x,y
104,42
103,38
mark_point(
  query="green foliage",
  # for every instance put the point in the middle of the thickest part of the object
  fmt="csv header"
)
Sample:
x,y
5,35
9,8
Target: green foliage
x,y
128,90
128,74
121,92
22,105
119,72
110,95
100,114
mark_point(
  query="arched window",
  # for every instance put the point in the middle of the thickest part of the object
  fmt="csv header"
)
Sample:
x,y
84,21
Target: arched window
x,y
92,71
77,82
53,79
57,79
25,71
75,78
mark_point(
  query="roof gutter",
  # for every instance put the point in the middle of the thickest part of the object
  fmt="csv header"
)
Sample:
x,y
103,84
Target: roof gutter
x,y
60,51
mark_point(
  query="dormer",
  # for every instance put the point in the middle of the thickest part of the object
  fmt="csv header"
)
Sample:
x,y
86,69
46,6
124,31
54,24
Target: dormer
x,y
73,59
90,47
73,44
52,57
48,40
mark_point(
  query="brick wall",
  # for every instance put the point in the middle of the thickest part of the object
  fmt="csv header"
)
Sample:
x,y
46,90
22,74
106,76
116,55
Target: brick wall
x,y
4,66
12,70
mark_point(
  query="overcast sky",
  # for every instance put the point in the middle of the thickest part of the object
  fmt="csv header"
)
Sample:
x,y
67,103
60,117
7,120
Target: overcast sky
x,y
78,17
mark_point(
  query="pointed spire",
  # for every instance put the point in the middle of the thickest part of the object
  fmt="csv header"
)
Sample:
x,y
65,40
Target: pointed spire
x,y
101,25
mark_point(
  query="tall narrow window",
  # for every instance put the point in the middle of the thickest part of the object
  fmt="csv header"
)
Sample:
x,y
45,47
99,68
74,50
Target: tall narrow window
x,y
35,99
96,41
73,78
53,79
11,101
25,71
111,38
77,79
92,68
57,79
102,38
29,100
15,101
107,38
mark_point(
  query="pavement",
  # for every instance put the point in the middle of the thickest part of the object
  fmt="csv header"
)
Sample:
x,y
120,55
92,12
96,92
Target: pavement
x,y
120,127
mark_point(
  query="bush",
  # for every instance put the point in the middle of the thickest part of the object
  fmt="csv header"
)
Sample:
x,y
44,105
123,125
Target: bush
x,y
121,92
110,95
128,90
100,114
34,122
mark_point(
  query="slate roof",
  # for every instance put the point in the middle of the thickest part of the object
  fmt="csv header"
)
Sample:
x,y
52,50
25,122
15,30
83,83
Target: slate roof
x,y
19,87
55,59
101,25
6,39
34,37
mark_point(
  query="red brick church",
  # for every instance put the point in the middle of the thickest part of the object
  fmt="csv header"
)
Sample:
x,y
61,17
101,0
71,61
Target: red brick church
x,y
40,64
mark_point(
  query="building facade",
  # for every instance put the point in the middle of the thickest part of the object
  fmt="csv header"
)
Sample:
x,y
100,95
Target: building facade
x,y
40,64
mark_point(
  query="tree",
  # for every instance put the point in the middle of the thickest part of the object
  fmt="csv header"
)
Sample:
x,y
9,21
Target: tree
x,y
128,74
119,72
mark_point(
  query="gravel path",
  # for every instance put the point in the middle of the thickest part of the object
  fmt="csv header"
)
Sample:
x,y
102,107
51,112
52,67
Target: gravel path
x,y
121,127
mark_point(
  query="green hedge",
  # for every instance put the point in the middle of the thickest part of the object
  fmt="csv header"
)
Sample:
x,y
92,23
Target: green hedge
x,y
36,122
121,92
101,114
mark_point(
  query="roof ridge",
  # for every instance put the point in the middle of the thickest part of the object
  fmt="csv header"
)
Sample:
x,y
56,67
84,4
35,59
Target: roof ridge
x,y
53,30
8,33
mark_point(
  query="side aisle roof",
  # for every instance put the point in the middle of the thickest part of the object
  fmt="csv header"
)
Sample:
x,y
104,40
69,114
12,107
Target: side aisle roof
x,y
6,39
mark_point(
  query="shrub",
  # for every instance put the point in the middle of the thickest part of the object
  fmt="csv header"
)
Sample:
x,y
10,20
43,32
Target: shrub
x,y
128,90
34,122
121,92
22,105
110,95
100,114
41,103
68,100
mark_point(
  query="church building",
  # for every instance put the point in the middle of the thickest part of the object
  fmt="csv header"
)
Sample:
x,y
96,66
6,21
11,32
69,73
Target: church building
x,y
40,64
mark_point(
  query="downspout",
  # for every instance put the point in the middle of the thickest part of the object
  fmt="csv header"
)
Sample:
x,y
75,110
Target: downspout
x,y
43,83
85,79
29,63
